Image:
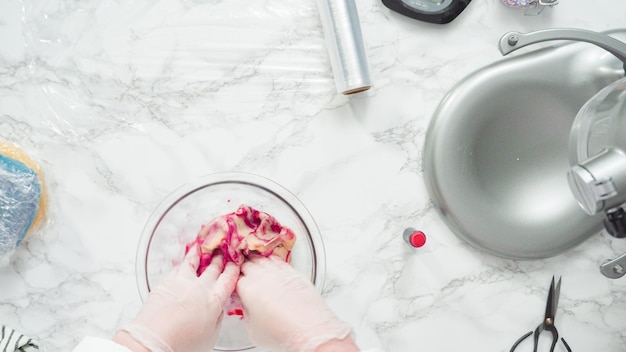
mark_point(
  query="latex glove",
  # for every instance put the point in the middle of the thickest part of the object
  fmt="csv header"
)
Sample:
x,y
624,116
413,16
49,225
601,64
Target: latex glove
x,y
282,308
184,312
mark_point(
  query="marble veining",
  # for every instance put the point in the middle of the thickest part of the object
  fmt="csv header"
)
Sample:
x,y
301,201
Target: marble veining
x,y
121,102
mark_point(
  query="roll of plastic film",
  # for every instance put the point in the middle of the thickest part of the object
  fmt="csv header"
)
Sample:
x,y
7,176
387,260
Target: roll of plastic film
x,y
344,40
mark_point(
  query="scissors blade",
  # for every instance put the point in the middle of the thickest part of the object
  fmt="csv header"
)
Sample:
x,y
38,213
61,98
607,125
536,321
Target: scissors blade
x,y
553,300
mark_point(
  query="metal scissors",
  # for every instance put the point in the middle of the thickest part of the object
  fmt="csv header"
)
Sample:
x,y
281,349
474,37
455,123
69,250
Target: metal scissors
x,y
548,321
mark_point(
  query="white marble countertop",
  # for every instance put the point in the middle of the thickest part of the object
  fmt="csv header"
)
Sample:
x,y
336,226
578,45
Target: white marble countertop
x,y
122,102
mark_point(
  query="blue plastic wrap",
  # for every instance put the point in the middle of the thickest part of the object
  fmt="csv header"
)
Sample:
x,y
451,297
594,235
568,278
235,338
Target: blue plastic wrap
x,y
20,193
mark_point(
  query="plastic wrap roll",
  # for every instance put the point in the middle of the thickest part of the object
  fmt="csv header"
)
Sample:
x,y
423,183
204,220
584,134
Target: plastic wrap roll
x,y
344,40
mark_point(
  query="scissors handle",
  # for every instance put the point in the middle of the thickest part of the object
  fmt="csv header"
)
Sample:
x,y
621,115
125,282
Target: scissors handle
x,y
566,345
543,327
520,340
530,333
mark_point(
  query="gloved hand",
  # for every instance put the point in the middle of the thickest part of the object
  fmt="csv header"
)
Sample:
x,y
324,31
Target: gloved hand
x,y
184,312
283,310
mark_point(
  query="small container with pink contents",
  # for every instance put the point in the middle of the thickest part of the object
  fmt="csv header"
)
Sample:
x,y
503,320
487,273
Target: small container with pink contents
x,y
219,201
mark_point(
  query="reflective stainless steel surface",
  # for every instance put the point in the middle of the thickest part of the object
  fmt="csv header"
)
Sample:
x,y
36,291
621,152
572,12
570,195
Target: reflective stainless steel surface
x,y
496,152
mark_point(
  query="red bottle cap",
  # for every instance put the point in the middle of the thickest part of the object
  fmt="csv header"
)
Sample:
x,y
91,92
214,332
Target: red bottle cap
x,y
417,239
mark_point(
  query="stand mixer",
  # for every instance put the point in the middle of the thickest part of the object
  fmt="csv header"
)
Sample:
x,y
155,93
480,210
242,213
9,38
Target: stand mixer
x,y
597,144
597,176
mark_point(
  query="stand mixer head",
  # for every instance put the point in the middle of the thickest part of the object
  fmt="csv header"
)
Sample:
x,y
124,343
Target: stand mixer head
x,y
597,176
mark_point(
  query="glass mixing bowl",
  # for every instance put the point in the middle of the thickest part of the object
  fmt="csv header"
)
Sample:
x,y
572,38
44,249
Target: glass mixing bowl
x,y
177,219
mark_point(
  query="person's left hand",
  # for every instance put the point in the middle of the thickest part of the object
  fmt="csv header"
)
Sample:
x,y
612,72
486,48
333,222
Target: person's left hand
x,y
184,312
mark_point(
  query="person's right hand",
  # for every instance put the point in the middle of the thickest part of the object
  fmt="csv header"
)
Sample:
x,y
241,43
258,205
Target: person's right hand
x,y
184,312
283,310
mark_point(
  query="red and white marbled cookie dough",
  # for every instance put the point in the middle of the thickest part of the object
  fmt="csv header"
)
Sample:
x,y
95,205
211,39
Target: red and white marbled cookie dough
x,y
236,235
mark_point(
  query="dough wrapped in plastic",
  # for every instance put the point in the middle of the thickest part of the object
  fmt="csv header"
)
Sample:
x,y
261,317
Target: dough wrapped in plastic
x,y
22,199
